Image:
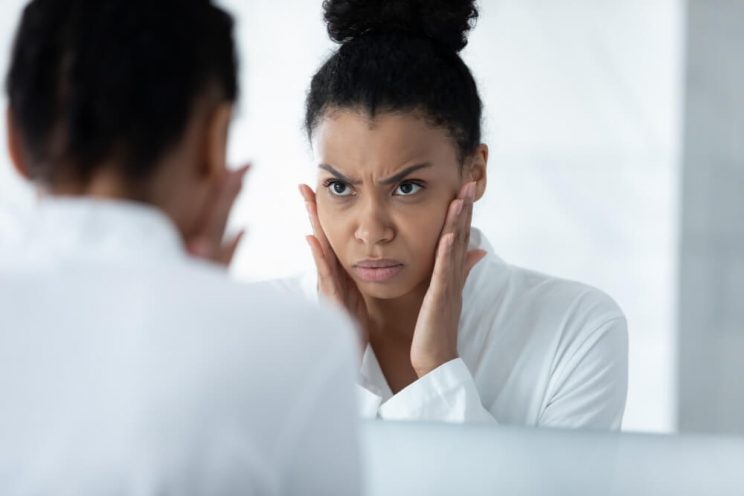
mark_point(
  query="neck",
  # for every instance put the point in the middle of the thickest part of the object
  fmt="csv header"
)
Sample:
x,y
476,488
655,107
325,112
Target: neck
x,y
164,191
105,184
396,318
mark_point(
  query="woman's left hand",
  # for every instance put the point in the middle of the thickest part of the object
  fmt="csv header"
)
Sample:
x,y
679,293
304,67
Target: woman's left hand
x,y
435,336
208,241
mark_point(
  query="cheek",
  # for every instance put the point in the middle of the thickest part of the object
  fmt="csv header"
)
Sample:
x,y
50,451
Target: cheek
x,y
422,230
335,224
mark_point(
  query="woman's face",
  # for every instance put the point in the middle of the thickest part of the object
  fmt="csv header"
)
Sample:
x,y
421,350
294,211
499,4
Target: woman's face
x,y
384,187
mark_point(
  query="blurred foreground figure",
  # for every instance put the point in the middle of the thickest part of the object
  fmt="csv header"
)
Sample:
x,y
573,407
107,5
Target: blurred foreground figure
x,y
129,363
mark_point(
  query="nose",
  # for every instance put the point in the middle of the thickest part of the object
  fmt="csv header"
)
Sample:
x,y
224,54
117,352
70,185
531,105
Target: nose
x,y
374,225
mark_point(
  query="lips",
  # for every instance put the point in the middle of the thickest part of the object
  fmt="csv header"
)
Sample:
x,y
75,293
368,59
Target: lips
x,y
380,270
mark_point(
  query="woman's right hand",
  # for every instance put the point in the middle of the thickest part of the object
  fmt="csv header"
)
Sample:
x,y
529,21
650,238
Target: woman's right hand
x,y
334,283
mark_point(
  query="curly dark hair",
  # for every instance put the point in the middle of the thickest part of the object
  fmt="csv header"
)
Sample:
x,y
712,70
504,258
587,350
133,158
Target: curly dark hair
x,y
93,80
400,56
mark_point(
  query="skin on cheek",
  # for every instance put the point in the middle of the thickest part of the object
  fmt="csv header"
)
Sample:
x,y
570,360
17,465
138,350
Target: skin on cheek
x,y
421,232
335,222
331,224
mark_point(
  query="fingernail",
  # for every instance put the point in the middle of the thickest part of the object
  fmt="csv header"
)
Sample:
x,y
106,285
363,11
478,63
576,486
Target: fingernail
x,y
459,206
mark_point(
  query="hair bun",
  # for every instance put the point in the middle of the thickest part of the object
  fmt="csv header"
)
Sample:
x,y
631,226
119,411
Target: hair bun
x,y
445,21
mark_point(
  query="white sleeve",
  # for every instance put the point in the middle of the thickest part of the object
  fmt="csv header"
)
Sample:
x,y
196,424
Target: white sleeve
x,y
447,393
320,447
589,390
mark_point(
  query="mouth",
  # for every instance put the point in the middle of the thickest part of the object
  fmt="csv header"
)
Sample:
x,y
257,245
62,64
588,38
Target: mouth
x,y
381,270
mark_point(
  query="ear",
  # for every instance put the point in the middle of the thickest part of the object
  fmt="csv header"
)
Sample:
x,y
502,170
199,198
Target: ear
x,y
15,146
215,145
476,170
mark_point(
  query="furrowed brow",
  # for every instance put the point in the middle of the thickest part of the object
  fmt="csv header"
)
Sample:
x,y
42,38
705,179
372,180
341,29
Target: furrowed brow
x,y
397,177
338,175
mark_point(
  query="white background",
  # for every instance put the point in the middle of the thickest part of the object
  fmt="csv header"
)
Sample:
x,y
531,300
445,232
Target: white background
x,y
583,118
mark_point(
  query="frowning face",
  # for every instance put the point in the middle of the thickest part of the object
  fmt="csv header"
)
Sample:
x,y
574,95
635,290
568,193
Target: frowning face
x,y
384,186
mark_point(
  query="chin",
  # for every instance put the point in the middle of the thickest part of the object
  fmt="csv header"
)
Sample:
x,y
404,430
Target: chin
x,y
382,291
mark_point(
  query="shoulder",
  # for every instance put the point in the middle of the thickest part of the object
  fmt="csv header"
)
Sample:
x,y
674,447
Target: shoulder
x,y
576,319
247,344
579,309
496,286
251,316
561,296
550,310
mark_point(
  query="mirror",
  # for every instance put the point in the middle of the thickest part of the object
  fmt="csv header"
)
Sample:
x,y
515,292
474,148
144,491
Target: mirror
x,y
606,132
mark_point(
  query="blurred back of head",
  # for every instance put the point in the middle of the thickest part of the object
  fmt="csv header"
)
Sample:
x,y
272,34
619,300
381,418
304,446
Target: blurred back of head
x,y
113,82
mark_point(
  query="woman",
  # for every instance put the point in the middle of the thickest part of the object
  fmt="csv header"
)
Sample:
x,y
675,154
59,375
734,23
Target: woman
x,y
451,332
128,367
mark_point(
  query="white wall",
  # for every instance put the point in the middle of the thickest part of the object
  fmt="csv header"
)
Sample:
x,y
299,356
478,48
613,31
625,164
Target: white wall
x,y
582,117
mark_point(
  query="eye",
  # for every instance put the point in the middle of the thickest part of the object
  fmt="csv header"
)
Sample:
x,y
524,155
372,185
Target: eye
x,y
408,189
339,188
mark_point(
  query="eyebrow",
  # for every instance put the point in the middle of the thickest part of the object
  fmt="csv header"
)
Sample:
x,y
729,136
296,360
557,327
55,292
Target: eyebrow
x,y
397,177
338,175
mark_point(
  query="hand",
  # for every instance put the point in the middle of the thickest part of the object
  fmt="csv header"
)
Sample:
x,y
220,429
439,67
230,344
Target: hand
x,y
334,283
435,336
207,242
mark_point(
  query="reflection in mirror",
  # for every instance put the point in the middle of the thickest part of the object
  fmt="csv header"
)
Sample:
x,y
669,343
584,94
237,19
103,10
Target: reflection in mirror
x,y
583,117
597,142
451,332
582,129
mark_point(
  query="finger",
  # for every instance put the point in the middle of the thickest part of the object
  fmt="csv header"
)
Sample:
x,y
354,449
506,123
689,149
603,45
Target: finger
x,y
469,206
318,256
228,251
307,193
311,207
200,248
312,212
453,213
457,225
455,209
463,193
216,222
326,285
449,230
243,170
312,215
442,262
461,227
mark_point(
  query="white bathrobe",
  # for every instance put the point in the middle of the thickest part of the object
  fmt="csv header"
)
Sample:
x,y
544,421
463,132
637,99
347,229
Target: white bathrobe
x,y
534,350
129,368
